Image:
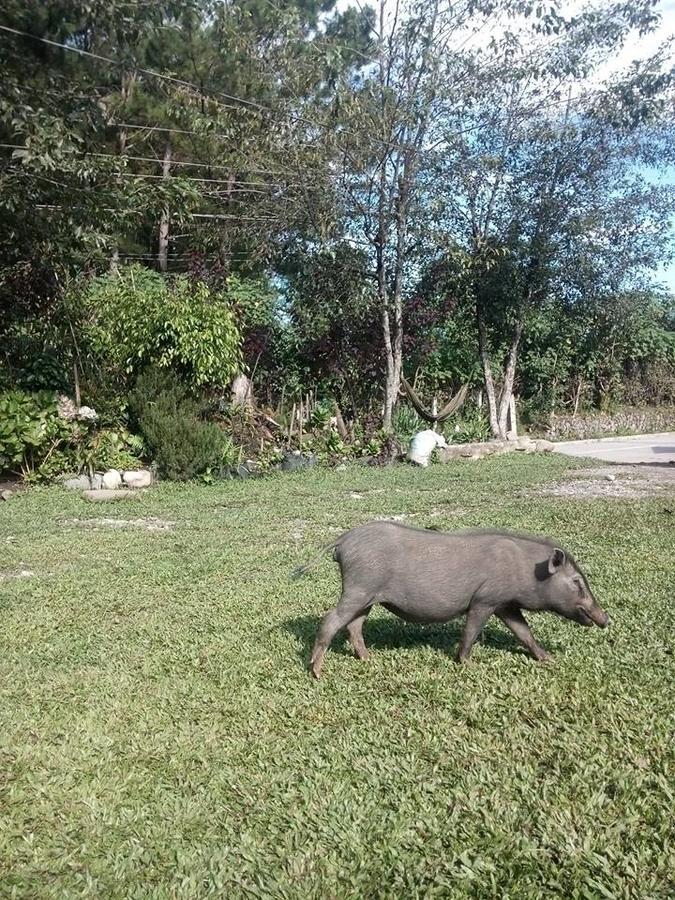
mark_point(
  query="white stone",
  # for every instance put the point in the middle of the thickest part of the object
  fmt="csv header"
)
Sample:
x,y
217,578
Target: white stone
x,y
138,479
96,481
112,480
79,483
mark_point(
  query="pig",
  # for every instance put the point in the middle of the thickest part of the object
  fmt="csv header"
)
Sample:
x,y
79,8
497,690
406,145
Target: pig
x,y
427,576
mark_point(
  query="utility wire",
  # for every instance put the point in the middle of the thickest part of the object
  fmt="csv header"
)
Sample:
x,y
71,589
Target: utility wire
x,y
245,104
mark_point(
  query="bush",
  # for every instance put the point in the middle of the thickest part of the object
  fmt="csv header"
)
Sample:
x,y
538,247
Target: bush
x,y
30,429
43,436
469,426
135,318
171,421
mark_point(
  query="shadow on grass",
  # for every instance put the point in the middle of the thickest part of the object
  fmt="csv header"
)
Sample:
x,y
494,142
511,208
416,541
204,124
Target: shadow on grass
x,y
394,634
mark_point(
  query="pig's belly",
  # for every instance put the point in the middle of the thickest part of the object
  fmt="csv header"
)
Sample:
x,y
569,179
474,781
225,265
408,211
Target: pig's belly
x,y
427,610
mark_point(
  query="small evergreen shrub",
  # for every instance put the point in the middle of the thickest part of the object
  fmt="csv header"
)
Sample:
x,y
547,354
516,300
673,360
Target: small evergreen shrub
x,y
171,420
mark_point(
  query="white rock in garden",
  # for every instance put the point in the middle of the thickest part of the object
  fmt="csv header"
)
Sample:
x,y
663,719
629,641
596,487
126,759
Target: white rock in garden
x,y
79,483
138,479
112,480
423,445
87,414
96,482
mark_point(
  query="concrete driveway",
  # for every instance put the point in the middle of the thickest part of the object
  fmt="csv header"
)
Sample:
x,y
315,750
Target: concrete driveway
x,y
654,449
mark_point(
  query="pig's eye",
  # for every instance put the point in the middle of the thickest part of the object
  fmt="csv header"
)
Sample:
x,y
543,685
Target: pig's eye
x,y
579,585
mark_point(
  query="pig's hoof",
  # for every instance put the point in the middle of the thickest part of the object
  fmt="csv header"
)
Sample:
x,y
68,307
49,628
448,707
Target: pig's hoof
x,y
544,657
463,660
315,669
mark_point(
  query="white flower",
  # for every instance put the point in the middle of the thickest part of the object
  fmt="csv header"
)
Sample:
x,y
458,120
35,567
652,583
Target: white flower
x,y
66,408
87,414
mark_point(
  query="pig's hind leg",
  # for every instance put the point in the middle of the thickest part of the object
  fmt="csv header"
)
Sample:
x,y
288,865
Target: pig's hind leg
x,y
355,630
515,621
351,607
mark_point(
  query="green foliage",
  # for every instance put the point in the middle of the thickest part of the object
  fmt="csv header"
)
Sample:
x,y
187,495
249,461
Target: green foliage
x,y
334,333
111,448
39,443
134,318
528,203
30,429
471,424
407,422
171,420
599,351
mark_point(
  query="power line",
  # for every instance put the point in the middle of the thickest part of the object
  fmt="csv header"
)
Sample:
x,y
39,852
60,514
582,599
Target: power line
x,y
185,163
137,68
245,104
145,175
238,218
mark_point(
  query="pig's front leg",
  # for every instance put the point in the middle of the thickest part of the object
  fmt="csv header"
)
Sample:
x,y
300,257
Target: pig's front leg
x,y
514,620
475,620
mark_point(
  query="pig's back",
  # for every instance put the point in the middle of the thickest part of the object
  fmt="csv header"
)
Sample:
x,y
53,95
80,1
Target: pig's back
x,y
398,560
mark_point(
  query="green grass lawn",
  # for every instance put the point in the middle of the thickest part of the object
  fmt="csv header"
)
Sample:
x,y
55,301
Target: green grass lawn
x,y
160,736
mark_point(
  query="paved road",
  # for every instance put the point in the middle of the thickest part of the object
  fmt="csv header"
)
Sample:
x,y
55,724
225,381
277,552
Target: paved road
x,y
643,448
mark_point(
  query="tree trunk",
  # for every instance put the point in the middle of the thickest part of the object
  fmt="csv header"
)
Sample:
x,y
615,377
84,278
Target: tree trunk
x,y
163,252
484,354
509,377
126,90
393,373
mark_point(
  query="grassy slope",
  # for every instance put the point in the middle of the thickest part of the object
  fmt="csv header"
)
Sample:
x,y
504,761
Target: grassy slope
x,y
160,737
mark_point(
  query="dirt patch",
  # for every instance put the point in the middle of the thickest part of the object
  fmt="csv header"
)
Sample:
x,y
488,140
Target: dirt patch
x,y
627,482
149,524
22,573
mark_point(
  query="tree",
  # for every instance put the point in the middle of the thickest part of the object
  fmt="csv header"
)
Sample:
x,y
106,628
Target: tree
x,y
333,312
385,126
542,186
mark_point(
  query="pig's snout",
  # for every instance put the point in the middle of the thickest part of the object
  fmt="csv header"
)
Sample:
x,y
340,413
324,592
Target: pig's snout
x,y
592,615
600,617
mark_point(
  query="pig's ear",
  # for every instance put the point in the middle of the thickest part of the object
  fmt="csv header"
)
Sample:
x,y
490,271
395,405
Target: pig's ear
x,y
556,560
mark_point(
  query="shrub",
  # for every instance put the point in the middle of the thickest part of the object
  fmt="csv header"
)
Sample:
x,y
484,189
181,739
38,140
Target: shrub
x,y
171,421
407,422
28,424
111,448
43,436
135,318
469,426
